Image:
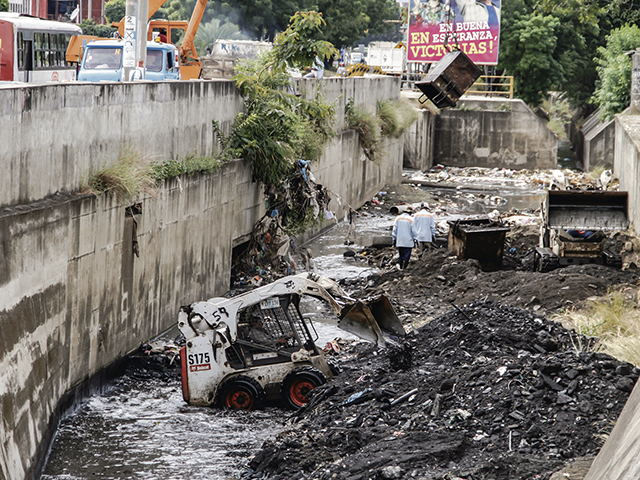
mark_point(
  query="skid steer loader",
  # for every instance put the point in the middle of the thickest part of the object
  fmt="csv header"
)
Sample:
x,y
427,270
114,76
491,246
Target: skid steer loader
x,y
576,226
245,350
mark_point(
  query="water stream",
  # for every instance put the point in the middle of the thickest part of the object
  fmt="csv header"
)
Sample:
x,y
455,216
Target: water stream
x,y
140,427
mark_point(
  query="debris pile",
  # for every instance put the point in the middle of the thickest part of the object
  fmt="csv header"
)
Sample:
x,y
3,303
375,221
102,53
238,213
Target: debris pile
x,y
435,278
458,177
492,392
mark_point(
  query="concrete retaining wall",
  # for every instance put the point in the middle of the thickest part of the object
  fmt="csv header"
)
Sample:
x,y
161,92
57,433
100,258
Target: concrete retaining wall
x,y
618,458
74,296
494,133
598,143
419,142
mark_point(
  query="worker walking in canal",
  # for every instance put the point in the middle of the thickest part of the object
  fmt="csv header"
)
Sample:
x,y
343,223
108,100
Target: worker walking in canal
x,y
424,227
403,238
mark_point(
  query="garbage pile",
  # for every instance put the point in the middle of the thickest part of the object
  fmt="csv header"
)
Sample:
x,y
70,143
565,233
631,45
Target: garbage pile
x,y
565,179
491,392
271,252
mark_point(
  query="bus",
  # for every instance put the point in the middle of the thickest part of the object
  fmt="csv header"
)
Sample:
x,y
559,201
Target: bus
x,y
33,50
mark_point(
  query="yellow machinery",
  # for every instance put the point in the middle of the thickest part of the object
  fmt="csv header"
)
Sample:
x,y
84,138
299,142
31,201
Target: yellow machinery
x,y
359,69
190,66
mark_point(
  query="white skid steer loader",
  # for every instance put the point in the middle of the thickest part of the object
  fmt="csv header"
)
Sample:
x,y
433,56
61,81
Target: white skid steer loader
x,y
257,346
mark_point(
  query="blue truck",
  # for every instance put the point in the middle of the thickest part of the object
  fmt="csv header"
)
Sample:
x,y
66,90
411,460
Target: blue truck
x,y
102,62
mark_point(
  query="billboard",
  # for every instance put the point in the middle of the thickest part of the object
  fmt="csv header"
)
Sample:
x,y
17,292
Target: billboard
x,y
437,26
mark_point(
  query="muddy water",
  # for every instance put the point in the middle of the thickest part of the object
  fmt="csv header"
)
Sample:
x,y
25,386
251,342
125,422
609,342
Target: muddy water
x,y
140,428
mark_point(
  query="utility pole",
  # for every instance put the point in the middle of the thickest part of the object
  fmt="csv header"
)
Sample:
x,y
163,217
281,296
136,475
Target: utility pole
x,y
129,47
141,36
134,58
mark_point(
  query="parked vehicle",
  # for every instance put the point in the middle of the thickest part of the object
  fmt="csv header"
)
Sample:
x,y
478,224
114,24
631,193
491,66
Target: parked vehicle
x,y
257,346
575,228
389,56
102,62
178,32
33,50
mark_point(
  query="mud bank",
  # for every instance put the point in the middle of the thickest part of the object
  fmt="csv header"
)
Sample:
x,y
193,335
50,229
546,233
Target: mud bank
x,y
495,392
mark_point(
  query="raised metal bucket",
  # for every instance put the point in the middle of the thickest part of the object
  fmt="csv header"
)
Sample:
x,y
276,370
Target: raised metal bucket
x,y
371,320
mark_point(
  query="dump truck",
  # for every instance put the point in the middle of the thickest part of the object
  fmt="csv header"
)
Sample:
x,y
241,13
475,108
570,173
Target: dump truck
x,y
255,347
576,228
225,54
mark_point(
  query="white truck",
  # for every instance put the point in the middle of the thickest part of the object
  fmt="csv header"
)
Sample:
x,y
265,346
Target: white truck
x,y
389,56
257,346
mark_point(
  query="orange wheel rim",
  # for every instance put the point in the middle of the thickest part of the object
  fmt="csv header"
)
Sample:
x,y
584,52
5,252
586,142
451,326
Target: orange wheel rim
x,y
299,390
240,400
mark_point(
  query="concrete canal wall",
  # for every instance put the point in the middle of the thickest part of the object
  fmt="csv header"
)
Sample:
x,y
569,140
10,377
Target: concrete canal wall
x,y
74,295
619,457
493,133
598,142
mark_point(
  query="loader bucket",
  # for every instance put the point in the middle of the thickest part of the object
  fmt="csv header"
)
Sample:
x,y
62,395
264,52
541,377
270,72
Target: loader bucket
x,y
371,320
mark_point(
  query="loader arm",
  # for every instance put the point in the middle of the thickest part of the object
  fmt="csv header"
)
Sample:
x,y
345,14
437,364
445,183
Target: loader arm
x,y
364,319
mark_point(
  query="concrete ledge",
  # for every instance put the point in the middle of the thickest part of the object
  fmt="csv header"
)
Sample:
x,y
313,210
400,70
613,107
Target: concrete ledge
x,y
494,133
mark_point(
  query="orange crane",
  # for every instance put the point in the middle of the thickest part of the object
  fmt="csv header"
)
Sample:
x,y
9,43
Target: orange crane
x,y
190,66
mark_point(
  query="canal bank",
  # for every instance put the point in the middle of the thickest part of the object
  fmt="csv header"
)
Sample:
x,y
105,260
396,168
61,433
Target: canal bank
x,y
142,429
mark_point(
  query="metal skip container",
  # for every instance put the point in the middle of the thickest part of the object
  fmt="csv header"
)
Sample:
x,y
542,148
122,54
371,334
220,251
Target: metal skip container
x,y
449,79
479,238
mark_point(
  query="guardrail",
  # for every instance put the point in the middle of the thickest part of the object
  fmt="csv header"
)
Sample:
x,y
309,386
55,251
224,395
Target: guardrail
x,y
492,86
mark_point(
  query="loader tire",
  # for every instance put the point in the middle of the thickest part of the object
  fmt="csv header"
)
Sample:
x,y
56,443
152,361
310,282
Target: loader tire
x,y
298,383
241,393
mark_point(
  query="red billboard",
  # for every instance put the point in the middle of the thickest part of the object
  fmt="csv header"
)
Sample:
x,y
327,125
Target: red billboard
x,y
437,26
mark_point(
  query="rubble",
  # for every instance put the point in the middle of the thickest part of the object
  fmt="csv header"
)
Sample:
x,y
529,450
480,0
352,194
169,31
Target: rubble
x,y
496,178
493,392
488,388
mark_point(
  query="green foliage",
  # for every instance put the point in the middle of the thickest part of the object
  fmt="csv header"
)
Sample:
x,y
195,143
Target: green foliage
x,y
89,27
126,178
277,128
564,47
612,94
298,45
395,117
114,10
368,126
528,52
4,5
349,21
390,119
190,166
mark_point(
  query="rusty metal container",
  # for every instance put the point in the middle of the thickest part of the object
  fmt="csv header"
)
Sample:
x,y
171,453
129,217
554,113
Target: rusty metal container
x,y
479,238
447,81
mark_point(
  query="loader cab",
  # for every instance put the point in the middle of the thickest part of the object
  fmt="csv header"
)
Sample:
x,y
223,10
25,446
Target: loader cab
x,y
270,332
102,61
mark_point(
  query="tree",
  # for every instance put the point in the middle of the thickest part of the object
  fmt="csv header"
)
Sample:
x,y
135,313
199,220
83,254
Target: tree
x,y
528,53
580,28
4,5
114,10
89,27
278,128
351,20
613,90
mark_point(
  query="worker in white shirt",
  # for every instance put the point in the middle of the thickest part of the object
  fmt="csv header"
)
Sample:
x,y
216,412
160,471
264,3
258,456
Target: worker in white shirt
x,y
403,238
424,227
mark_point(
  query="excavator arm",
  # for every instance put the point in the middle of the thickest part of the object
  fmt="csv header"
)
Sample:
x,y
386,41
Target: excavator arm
x,y
189,60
